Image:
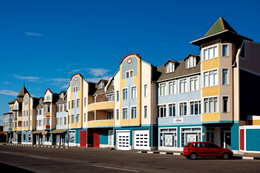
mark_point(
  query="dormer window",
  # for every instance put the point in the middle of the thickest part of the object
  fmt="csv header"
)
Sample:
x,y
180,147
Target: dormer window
x,y
190,62
101,85
170,67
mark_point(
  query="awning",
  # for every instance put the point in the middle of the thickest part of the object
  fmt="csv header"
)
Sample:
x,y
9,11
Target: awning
x,y
58,131
37,131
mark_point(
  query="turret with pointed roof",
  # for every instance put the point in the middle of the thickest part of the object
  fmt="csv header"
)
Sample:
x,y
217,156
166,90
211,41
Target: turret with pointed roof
x,y
220,30
22,92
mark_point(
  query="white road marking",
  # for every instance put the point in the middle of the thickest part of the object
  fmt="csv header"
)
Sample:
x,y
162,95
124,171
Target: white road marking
x,y
38,157
108,167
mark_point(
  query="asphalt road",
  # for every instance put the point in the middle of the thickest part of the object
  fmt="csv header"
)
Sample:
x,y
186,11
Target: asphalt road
x,y
34,159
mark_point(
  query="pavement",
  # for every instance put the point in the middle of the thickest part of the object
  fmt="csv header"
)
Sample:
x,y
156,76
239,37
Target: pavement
x,y
239,155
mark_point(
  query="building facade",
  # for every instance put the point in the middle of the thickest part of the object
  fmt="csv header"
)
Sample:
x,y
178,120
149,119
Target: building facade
x,y
206,97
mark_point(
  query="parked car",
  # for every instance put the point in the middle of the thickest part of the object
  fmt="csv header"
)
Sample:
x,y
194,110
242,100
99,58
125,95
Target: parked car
x,y
192,150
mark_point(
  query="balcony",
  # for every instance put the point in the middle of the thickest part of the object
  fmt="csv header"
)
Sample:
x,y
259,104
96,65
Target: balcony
x,y
101,118
106,105
101,123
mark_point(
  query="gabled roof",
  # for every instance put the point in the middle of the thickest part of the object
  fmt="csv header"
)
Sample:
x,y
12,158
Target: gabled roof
x,y
170,60
219,26
22,92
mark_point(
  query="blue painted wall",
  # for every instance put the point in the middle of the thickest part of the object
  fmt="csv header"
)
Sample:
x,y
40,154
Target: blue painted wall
x,y
252,139
235,136
104,136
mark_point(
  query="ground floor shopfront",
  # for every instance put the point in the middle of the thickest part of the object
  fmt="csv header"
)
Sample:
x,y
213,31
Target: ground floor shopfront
x,y
176,136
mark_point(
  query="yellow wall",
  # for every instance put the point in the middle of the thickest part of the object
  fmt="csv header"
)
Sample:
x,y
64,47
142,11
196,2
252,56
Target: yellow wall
x,y
210,91
210,117
101,123
101,106
210,64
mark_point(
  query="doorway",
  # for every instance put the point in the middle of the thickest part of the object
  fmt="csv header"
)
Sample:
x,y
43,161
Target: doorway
x,y
227,139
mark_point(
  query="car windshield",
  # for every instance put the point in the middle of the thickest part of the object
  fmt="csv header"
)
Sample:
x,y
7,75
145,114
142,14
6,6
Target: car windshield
x,y
187,145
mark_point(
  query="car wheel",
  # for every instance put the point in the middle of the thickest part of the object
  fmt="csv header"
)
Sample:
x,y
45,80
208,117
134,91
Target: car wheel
x,y
225,156
192,156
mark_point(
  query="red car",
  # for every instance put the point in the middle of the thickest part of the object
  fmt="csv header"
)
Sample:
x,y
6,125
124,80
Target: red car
x,y
193,150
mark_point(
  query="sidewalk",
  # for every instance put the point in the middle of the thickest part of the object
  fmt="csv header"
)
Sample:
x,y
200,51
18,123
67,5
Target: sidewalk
x,y
246,156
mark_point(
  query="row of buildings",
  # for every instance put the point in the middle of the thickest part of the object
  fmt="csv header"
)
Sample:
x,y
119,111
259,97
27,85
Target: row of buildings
x,y
206,97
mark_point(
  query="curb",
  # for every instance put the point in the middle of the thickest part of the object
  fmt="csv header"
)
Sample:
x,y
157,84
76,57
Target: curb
x,y
159,152
45,146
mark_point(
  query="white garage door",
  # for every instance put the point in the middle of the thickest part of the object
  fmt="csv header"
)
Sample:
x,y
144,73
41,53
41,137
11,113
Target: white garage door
x,y
141,139
123,140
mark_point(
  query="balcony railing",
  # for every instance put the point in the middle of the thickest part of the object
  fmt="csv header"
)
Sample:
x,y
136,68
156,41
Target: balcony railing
x,y
106,105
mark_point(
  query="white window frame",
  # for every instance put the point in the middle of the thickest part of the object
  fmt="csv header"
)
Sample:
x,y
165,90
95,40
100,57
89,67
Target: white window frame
x,y
195,86
185,85
228,50
170,67
200,108
203,106
168,115
145,90
222,104
124,117
179,109
208,52
133,93
145,114
117,96
124,95
129,73
228,75
162,92
117,114
133,116
172,87
189,127
214,82
159,112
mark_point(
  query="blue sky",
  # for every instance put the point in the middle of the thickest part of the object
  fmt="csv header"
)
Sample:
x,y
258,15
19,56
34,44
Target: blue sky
x,y
43,43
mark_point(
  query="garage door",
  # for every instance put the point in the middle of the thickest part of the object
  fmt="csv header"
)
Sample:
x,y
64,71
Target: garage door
x,y
141,139
123,140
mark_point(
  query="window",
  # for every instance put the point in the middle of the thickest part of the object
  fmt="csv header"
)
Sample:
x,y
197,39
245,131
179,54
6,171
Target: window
x,y
75,89
195,108
57,121
129,73
61,106
110,97
68,119
210,105
48,121
48,108
145,90
64,120
161,111
85,102
133,112
171,110
117,96
194,84
183,85
125,94
77,103
72,118
68,104
85,117
72,104
211,78
117,114
172,87
170,67
183,109
190,62
225,51
110,115
77,118
101,85
162,88
211,52
124,113
145,111
61,121
225,79
133,92
225,102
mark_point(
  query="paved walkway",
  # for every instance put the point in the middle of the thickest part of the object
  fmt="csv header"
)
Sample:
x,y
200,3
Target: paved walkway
x,y
250,156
